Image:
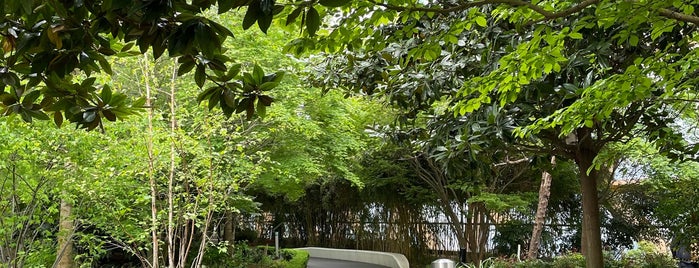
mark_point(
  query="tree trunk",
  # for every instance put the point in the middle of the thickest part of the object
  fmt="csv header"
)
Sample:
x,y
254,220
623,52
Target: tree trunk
x,y
171,177
65,234
229,232
591,234
151,168
544,193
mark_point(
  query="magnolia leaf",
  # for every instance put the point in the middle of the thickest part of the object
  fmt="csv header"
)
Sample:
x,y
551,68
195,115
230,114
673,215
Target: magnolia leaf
x,y
200,75
109,115
264,22
251,15
312,21
257,74
106,94
224,6
293,15
58,118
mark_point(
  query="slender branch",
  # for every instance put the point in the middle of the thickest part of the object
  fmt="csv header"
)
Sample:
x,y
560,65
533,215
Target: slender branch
x,y
570,11
435,10
548,15
678,16
511,162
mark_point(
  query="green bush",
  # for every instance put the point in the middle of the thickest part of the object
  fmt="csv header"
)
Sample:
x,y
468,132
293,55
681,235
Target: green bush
x,y
573,260
514,263
245,256
645,256
299,259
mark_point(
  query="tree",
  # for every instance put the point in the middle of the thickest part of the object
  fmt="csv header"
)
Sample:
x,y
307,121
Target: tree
x,y
540,218
593,71
47,46
645,51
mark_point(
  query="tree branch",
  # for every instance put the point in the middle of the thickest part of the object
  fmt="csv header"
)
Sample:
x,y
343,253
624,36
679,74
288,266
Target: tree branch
x,y
511,162
548,15
678,16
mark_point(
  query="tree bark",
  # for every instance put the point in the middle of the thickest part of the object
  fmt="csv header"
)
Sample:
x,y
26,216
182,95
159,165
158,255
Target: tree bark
x,y
171,177
65,235
592,238
544,194
151,168
229,232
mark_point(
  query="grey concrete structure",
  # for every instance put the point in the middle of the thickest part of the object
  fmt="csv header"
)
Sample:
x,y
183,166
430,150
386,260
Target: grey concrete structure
x,y
330,263
382,259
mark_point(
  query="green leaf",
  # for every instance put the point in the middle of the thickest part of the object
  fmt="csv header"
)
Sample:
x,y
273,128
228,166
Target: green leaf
x,y
251,15
220,29
264,22
277,9
266,100
250,111
261,109
258,74
333,3
106,67
481,21
312,21
575,35
293,15
30,98
589,122
109,115
58,118
106,94
186,65
200,75
38,114
268,85
633,40
206,94
127,47
138,103
224,6
548,67
233,71
213,101
229,98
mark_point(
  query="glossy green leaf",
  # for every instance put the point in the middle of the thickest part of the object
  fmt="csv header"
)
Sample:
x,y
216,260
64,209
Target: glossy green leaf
x,y
251,15
109,115
200,75
58,118
258,74
312,21
30,98
481,21
224,6
106,94
293,15
264,21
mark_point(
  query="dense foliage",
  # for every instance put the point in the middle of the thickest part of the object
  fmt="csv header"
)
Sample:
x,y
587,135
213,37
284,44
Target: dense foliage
x,y
477,97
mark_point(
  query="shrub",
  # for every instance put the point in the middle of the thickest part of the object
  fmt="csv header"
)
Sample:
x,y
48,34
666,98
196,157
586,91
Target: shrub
x,y
513,263
299,259
647,255
245,256
573,260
